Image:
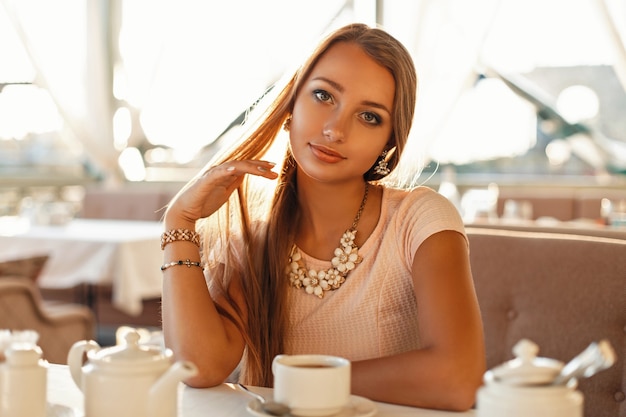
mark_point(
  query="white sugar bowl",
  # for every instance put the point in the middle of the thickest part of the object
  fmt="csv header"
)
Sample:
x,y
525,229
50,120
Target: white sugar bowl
x,y
524,387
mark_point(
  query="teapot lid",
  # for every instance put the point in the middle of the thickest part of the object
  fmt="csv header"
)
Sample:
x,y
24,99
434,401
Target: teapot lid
x,y
527,368
131,352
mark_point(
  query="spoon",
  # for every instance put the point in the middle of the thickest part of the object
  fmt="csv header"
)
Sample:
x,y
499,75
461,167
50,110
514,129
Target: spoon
x,y
269,406
597,357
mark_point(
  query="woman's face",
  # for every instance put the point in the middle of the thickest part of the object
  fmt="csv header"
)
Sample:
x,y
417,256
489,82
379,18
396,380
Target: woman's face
x,y
341,118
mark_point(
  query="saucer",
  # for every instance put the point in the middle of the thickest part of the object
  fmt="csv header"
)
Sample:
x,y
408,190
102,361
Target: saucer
x,y
358,407
59,410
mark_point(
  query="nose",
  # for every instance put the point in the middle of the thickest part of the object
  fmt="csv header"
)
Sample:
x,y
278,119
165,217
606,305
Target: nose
x,y
336,128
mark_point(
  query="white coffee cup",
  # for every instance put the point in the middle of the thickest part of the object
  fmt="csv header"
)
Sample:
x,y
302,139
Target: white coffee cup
x,y
312,385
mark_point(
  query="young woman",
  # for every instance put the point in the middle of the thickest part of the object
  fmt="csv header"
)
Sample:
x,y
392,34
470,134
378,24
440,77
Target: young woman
x,y
336,261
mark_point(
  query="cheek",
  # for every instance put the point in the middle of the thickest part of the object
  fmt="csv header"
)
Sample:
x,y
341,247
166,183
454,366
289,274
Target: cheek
x,y
369,159
299,133
304,124
296,135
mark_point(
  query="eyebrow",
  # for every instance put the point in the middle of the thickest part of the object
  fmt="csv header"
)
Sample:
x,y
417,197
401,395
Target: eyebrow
x,y
340,88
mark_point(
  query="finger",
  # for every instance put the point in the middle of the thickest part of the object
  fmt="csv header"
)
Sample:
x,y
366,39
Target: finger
x,y
258,168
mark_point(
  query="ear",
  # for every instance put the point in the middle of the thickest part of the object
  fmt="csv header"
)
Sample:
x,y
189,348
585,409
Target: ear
x,y
391,143
287,123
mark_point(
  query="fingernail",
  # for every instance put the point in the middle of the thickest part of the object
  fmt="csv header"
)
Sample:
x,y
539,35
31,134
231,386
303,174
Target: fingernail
x,y
230,169
262,169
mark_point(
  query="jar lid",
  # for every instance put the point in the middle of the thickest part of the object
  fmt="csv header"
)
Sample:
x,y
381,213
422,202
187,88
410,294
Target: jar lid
x,y
131,353
23,354
527,369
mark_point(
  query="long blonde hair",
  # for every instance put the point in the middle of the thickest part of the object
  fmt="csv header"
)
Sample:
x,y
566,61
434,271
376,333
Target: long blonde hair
x,y
267,238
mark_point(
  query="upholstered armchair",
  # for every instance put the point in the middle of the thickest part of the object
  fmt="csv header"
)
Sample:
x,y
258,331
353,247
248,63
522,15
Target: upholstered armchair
x,y
59,324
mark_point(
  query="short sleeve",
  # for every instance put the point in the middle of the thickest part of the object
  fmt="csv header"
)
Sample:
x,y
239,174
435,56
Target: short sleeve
x,y
422,213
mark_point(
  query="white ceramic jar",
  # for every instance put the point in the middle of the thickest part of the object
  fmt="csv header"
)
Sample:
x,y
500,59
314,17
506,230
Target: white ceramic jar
x,y
23,382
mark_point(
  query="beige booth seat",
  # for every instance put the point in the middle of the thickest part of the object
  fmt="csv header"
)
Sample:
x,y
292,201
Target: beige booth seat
x,y
570,228
560,204
561,291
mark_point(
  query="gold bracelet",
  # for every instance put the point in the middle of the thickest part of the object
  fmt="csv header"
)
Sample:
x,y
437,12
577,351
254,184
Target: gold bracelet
x,y
188,263
175,235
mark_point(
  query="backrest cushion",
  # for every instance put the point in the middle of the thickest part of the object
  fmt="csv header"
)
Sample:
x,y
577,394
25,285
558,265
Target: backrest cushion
x,y
29,267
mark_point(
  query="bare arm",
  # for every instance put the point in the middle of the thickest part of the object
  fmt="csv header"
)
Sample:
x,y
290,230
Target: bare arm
x,y
448,370
192,326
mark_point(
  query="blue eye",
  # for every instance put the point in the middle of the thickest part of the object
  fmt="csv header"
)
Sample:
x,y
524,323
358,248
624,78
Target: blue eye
x,y
322,95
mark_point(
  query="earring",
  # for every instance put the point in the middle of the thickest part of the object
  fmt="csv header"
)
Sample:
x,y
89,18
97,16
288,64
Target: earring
x,y
381,167
287,124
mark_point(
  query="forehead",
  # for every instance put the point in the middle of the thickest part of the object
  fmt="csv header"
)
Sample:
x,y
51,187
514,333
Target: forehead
x,y
346,64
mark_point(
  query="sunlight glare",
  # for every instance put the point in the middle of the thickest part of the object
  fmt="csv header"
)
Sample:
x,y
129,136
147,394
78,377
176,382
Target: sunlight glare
x,y
18,103
122,127
132,165
578,103
488,122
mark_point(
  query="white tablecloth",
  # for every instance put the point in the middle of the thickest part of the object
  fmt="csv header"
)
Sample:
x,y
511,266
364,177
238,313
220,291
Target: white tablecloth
x,y
222,401
124,254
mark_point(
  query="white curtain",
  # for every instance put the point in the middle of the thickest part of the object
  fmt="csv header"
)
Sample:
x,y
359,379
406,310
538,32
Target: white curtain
x,y
617,34
448,39
69,52
184,69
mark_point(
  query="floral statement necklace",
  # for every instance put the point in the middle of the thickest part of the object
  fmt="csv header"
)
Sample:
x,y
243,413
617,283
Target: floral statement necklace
x,y
345,260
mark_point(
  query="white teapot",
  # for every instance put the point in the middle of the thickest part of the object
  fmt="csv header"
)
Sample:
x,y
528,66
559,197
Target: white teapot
x,y
127,380
525,387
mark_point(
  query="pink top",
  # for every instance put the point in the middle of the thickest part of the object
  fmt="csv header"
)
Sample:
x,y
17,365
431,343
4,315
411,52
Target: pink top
x,y
374,313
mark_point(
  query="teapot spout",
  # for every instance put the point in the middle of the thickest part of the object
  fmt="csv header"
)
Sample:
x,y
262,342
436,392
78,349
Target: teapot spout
x,y
164,392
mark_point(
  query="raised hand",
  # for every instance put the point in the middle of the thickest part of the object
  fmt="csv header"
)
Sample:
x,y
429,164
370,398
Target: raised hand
x,y
205,194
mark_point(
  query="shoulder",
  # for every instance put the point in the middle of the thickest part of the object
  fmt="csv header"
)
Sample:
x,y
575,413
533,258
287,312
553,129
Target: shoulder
x,y
415,214
418,199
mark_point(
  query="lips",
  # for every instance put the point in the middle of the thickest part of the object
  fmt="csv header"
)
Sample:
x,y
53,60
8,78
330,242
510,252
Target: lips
x,y
326,154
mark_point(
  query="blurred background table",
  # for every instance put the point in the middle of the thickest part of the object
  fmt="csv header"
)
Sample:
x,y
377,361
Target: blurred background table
x,y
122,254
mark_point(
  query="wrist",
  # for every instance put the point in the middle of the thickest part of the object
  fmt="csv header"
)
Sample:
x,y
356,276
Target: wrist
x,y
172,225
172,221
180,235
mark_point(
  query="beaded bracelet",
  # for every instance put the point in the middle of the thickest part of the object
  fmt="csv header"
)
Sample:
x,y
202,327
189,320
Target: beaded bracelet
x,y
178,235
188,263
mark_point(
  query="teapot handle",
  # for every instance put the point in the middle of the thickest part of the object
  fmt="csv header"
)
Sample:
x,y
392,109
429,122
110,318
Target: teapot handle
x,y
75,359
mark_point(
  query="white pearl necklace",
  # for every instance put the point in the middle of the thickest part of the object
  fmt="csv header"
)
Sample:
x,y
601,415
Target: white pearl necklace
x,y
345,260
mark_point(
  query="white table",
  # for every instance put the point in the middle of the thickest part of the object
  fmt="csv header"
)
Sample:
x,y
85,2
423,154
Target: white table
x,y
124,254
223,400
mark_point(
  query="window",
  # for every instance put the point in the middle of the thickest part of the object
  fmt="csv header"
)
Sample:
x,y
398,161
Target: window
x,y
143,90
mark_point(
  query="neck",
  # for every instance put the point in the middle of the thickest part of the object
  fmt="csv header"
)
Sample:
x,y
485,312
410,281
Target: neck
x,y
326,212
